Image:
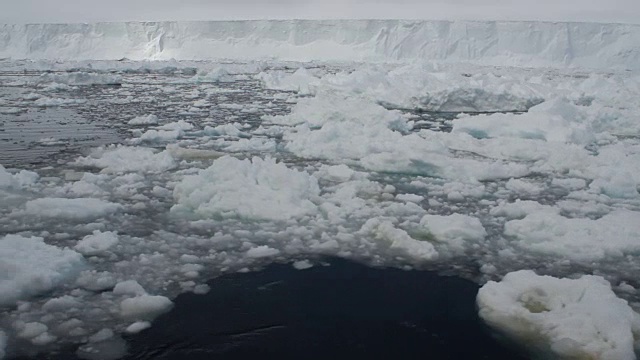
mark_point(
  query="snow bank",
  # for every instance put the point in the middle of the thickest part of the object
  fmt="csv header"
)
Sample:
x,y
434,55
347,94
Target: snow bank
x,y
254,189
29,267
564,318
484,42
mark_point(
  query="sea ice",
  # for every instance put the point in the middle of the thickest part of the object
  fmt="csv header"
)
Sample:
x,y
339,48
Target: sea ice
x,y
70,209
121,159
30,267
422,86
545,231
457,231
262,252
549,122
301,81
97,243
23,179
80,78
561,318
144,307
397,241
149,119
253,189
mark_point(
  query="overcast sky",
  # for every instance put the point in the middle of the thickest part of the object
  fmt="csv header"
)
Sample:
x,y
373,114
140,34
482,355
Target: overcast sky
x,y
33,11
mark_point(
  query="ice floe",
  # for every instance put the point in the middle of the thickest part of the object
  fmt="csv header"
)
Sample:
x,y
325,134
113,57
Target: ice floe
x,y
561,318
31,267
254,189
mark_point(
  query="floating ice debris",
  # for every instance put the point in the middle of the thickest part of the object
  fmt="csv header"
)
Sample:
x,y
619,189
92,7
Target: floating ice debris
x,y
70,209
97,243
31,267
561,318
254,189
149,119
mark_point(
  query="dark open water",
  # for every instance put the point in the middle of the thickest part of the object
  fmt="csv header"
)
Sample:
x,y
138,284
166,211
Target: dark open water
x,y
344,310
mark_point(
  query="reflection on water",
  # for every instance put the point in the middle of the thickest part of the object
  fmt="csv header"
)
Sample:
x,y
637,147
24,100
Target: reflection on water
x,y
37,136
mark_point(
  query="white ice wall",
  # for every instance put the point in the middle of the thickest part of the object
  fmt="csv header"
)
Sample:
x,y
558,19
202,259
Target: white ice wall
x,y
591,45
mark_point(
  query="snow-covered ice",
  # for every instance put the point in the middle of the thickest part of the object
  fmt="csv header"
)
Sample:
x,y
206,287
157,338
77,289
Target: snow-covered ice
x,y
149,119
81,78
96,243
253,189
70,209
613,235
31,267
562,318
144,307
116,159
456,230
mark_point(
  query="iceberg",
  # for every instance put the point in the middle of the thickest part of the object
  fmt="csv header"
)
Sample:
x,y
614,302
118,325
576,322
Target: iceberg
x,y
502,43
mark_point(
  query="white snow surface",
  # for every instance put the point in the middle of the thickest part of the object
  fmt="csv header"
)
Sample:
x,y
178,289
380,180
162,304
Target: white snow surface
x,y
613,235
350,128
30,267
144,307
301,81
22,179
259,189
455,230
148,119
426,86
556,120
483,42
121,159
398,241
563,318
97,243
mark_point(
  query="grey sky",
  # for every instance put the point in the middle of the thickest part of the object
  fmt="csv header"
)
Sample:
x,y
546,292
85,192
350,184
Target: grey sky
x,y
30,11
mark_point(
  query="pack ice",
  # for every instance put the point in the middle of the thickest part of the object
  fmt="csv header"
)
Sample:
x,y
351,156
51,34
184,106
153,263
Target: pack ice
x,y
507,152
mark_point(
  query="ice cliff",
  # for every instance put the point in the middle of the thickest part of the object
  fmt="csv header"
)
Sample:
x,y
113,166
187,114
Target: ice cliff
x,y
535,44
